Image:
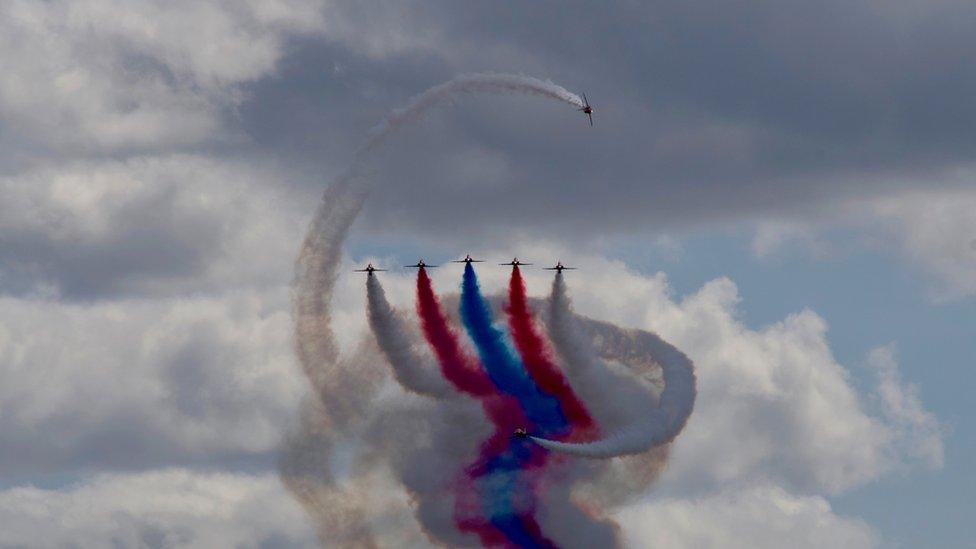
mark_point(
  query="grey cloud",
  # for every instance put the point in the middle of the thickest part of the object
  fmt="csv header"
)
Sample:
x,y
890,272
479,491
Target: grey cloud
x,y
165,508
146,226
704,112
135,384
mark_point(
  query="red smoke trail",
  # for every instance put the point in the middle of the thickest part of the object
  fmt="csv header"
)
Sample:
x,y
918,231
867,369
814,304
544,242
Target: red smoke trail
x,y
465,373
538,361
461,369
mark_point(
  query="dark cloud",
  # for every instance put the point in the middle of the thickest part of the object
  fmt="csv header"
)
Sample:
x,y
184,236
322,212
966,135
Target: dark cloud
x,y
704,111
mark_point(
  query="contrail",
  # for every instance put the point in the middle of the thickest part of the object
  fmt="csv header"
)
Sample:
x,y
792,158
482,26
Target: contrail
x,y
412,371
658,426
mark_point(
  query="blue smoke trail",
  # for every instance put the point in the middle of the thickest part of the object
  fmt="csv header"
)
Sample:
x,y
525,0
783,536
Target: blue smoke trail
x,y
505,370
508,495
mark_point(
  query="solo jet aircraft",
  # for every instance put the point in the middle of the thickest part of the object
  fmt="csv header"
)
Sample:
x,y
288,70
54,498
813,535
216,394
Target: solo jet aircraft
x,y
369,270
587,109
520,433
559,267
468,259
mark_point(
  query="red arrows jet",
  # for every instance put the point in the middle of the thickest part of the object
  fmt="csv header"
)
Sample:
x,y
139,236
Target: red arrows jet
x,y
420,265
559,267
369,270
586,108
468,259
515,263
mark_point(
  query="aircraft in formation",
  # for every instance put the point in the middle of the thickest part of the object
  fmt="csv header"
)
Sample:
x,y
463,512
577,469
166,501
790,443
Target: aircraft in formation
x,y
515,263
420,265
369,270
587,109
468,259
559,267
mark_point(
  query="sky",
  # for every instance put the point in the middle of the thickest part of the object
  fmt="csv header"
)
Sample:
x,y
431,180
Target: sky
x,y
784,191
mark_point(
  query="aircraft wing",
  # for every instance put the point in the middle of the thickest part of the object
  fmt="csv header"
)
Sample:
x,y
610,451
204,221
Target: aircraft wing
x,y
591,118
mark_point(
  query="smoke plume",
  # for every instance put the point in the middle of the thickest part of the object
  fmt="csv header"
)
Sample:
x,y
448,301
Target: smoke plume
x,y
435,460
647,427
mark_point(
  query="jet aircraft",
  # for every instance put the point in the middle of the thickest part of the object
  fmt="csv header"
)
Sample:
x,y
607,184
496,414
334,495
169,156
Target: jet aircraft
x,y
520,433
420,265
468,259
586,108
369,270
515,263
559,267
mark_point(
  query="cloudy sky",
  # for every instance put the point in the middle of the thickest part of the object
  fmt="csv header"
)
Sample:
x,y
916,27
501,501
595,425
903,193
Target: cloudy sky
x,y
785,191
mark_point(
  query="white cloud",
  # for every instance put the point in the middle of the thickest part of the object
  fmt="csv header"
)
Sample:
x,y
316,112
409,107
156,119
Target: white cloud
x,y
773,403
158,225
937,231
134,383
164,508
918,434
933,229
761,516
774,236
108,74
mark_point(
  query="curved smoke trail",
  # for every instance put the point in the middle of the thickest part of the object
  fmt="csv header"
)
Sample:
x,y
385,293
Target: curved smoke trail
x,y
469,84
343,392
654,427
538,361
320,254
417,443
412,371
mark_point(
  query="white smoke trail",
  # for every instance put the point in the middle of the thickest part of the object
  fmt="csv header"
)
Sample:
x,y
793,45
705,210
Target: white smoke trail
x,y
440,435
647,428
412,371
467,84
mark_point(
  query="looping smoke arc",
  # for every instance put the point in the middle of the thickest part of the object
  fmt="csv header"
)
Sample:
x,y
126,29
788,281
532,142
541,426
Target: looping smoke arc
x,y
658,425
446,440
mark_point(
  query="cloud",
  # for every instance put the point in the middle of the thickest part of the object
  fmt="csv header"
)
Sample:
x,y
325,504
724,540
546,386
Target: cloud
x,y
773,393
919,436
132,384
761,516
699,122
932,229
147,225
143,313
936,230
100,75
163,508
